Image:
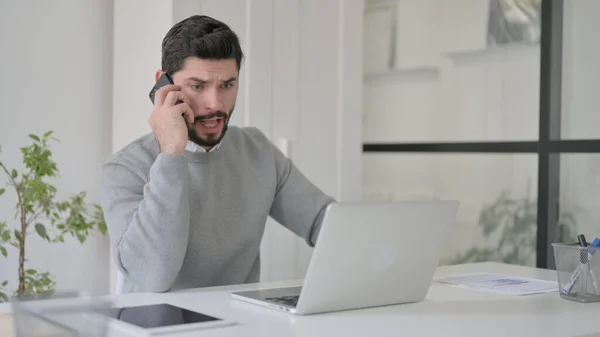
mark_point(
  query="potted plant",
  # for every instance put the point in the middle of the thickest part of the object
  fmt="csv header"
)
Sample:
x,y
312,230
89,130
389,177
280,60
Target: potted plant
x,y
37,211
510,225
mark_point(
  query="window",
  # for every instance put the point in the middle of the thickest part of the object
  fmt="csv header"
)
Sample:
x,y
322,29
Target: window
x,y
457,107
498,195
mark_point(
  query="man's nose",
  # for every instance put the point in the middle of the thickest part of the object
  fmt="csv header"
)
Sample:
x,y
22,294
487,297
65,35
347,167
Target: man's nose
x,y
213,100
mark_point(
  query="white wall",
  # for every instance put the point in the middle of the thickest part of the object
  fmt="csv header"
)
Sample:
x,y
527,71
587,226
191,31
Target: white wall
x,y
300,84
56,75
139,26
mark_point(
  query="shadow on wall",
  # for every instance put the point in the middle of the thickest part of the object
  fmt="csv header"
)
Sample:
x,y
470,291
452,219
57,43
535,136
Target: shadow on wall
x,y
509,227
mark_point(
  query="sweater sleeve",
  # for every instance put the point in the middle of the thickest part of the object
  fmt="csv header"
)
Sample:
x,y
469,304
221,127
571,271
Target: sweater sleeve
x,y
298,205
148,222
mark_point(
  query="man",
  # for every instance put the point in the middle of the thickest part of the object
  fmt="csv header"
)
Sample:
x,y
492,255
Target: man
x,y
186,204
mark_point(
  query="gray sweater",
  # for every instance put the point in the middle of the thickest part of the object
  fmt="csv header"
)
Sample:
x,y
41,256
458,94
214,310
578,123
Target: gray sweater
x,y
197,219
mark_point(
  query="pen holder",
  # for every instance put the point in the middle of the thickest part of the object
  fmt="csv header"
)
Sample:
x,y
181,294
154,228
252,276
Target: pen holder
x,y
578,272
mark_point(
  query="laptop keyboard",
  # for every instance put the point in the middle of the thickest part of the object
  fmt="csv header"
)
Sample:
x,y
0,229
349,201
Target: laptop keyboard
x,y
291,301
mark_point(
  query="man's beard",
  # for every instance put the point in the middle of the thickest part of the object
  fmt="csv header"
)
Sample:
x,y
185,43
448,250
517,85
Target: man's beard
x,y
212,139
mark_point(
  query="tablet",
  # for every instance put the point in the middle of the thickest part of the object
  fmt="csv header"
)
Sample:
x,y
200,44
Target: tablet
x,y
160,318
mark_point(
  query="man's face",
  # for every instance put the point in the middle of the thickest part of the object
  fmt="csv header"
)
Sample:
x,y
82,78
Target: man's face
x,y
211,88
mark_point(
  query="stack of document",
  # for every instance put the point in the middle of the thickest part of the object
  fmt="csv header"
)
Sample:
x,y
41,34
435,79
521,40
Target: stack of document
x,y
500,284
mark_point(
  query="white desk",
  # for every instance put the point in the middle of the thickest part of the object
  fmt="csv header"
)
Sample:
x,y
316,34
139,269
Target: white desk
x,y
447,311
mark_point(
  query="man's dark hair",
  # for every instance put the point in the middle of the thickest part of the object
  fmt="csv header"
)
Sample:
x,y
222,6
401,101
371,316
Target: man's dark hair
x,y
200,36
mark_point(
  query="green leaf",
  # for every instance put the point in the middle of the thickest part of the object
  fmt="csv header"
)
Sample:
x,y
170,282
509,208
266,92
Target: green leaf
x,y
2,190
4,251
31,271
14,173
102,228
34,137
4,283
3,297
41,230
48,134
18,235
80,237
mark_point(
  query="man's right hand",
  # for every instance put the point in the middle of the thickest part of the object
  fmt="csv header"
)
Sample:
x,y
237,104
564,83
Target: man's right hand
x,y
166,119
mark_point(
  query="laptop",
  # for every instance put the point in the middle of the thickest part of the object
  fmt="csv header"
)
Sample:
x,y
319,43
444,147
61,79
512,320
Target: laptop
x,y
368,255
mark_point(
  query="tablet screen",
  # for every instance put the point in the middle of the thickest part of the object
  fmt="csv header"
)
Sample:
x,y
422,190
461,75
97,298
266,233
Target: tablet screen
x,y
157,315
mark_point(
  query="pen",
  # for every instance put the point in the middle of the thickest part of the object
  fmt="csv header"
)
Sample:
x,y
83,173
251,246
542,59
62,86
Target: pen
x,y
583,260
582,264
581,240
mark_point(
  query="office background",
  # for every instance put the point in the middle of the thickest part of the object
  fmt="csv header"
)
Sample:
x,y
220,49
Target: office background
x,y
335,84
84,70
493,103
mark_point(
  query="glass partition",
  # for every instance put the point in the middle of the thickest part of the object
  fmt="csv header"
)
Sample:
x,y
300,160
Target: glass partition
x,y
490,102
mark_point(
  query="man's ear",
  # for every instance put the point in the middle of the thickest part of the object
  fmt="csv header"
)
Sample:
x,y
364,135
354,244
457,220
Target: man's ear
x,y
158,74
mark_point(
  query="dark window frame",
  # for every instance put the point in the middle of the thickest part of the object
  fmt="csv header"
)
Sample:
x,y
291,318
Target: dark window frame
x,y
549,145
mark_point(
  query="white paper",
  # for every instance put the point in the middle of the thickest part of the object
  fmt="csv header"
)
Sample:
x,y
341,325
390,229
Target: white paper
x,y
500,284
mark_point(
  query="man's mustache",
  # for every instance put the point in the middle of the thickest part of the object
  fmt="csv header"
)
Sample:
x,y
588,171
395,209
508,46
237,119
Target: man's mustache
x,y
216,114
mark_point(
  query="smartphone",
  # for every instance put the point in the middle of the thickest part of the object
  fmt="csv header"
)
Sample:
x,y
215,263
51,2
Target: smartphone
x,y
164,79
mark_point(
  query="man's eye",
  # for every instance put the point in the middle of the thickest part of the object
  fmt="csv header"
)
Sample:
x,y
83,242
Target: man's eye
x,y
196,86
227,85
